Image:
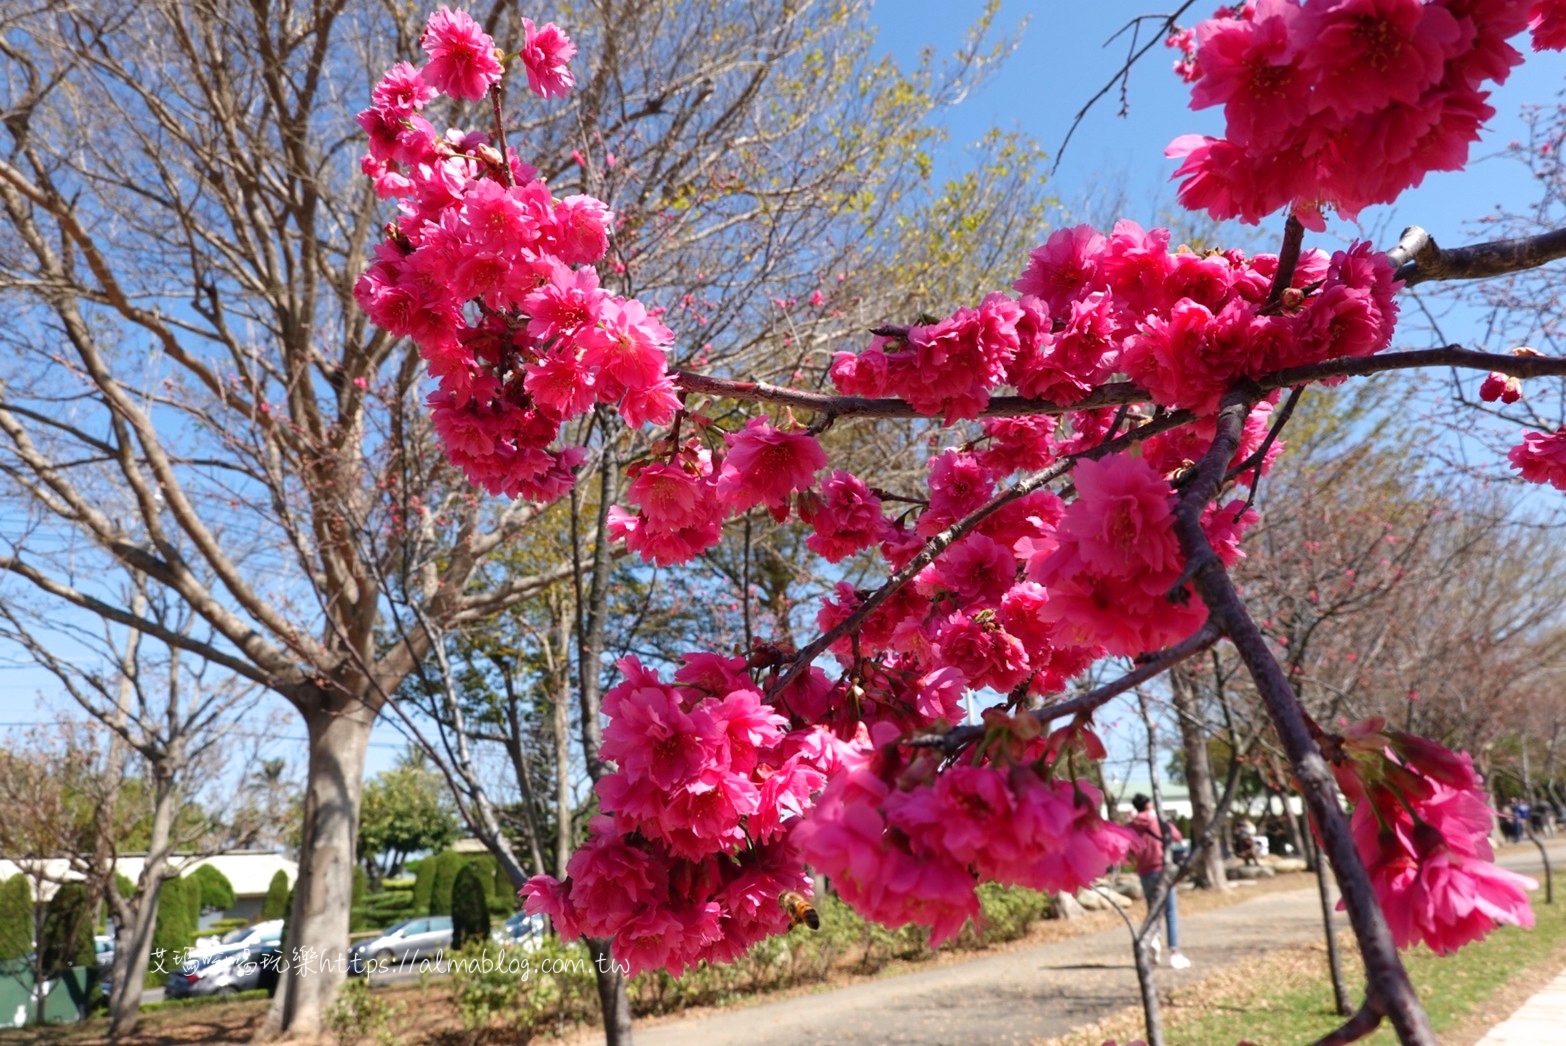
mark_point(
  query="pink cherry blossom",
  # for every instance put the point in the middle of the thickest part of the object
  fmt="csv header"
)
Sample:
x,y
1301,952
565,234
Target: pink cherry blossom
x,y
765,465
547,53
1541,458
462,55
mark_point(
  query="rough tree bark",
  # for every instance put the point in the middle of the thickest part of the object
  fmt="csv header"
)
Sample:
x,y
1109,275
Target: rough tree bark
x,y
1198,773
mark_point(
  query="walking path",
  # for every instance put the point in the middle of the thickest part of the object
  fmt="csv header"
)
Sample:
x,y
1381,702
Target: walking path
x,y
1021,996
1541,1020
1011,997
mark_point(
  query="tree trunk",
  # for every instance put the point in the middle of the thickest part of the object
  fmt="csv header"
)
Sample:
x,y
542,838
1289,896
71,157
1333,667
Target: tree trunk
x,y
612,997
1340,993
1152,1013
318,921
1198,776
590,655
133,938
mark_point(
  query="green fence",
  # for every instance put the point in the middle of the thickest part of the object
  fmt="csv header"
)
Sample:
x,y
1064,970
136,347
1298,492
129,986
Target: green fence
x,y
66,1001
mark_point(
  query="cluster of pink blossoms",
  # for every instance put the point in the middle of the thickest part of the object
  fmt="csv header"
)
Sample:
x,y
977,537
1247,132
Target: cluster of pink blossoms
x,y
1185,326
688,863
491,275
904,844
1343,103
1421,823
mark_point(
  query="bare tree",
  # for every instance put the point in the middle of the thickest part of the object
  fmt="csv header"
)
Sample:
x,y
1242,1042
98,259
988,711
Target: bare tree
x,y
191,396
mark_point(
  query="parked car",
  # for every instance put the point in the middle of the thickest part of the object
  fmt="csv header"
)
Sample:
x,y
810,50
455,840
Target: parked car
x,y
405,942
259,935
522,929
227,972
103,951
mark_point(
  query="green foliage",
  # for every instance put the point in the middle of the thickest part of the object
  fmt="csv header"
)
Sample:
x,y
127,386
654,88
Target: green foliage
x,y
389,907
358,918
16,917
217,893
469,910
192,898
505,986
423,884
124,885
405,810
174,929
67,929
1009,911
275,904
443,878
360,1016
489,874
204,1000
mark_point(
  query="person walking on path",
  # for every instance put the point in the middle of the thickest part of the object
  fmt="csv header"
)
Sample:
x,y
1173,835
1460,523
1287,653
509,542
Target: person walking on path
x,y
1149,865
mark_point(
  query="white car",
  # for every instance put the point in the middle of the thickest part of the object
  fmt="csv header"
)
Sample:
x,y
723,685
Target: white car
x,y
269,933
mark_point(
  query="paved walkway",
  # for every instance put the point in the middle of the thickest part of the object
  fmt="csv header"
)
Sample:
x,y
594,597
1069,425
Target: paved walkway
x,y
1014,997
1541,1020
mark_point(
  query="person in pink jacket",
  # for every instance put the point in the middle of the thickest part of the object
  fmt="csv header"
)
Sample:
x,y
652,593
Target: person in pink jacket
x,y
1149,853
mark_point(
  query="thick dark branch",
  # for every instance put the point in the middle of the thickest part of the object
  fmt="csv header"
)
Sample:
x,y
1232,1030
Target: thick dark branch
x,y
1420,260
1111,395
1449,356
1365,1021
1384,970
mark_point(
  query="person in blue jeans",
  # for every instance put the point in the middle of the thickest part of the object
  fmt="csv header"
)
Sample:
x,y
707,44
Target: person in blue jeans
x,y
1149,852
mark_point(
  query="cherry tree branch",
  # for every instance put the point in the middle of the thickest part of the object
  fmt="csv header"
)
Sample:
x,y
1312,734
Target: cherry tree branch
x,y
1152,666
1118,393
1365,1020
1112,394
1419,259
1388,980
942,541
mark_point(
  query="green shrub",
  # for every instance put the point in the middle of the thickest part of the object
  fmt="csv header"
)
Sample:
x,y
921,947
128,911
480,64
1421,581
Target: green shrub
x,y
360,1016
423,884
1009,912
67,929
504,985
469,910
443,879
191,895
171,934
275,904
16,918
217,893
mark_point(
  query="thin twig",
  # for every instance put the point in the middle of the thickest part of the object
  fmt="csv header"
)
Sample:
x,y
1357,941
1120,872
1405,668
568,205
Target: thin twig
x,y
955,740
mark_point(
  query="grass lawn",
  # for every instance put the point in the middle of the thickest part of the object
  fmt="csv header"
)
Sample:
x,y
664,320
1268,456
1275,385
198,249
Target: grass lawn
x,y
1285,999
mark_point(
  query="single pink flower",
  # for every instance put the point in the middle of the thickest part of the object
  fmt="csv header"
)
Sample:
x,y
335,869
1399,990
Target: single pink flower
x,y
764,465
462,56
547,53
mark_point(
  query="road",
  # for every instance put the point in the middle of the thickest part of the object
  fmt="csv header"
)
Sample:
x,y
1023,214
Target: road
x,y
1024,995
